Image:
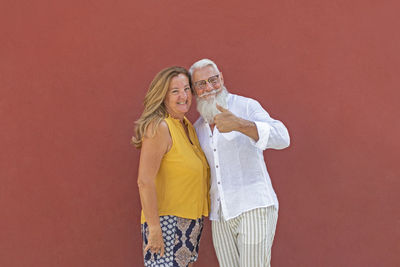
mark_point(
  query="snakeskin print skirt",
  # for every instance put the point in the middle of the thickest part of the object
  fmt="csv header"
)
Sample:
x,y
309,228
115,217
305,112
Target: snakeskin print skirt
x,y
181,240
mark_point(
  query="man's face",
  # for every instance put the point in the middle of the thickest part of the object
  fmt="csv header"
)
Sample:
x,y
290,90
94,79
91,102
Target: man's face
x,y
207,82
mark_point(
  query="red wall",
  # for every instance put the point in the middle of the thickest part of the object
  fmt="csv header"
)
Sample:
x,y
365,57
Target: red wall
x,y
73,75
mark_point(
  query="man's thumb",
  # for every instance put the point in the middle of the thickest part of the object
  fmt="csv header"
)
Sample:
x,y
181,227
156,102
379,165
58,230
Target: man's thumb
x,y
222,109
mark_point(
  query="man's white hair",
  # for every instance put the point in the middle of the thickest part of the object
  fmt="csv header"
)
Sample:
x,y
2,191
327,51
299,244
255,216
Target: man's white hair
x,y
201,64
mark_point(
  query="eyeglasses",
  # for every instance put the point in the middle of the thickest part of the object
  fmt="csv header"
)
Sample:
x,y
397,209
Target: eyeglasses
x,y
213,80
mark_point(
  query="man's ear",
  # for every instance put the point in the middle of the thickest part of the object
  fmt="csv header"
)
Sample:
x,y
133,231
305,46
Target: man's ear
x,y
222,78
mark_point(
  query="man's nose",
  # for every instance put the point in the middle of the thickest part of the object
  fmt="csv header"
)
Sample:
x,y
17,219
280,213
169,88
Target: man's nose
x,y
209,86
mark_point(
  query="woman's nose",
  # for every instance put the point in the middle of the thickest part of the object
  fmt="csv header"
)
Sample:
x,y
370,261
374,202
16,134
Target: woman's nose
x,y
183,94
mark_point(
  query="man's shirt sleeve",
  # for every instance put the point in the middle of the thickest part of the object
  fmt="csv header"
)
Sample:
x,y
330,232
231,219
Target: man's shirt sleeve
x,y
271,133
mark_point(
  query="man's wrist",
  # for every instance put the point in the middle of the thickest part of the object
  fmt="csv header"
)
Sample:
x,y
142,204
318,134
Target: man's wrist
x,y
244,125
249,128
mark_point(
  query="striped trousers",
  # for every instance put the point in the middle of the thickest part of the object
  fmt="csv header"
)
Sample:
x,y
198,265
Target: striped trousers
x,y
246,240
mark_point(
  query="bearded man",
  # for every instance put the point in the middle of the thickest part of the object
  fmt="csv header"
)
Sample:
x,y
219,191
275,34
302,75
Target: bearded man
x,y
233,132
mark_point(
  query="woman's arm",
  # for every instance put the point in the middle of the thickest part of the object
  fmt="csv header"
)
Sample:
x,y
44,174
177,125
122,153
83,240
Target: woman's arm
x,y
151,154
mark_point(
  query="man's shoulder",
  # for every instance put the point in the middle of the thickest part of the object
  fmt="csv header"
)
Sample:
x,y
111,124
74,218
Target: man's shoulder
x,y
241,101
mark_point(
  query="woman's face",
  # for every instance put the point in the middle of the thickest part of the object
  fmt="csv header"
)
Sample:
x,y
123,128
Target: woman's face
x,y
179,96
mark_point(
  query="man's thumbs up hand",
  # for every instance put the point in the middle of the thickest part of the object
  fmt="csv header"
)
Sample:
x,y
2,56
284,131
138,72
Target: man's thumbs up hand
x,y
225,121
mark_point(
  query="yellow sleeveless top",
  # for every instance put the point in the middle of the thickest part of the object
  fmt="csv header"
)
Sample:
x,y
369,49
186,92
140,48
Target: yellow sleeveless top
x,y
182,182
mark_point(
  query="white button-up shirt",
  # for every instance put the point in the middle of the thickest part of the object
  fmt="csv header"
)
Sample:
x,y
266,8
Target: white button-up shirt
x,y
239,178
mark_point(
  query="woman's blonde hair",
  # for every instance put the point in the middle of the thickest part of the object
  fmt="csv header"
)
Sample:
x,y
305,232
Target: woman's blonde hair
x,y
154,108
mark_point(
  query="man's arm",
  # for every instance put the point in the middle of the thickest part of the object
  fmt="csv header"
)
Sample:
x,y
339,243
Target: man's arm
x,y
272,133
264,131
226,122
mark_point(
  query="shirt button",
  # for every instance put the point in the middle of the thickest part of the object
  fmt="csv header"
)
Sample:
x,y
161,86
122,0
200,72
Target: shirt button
x,y
215,150
210,136
219,182
216,166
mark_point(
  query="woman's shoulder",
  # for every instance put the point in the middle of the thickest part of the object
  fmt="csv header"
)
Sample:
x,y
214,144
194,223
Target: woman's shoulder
x,y
157,137
163,127
158,130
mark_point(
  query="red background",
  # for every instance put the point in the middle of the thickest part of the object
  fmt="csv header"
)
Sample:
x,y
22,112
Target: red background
x,y
73,75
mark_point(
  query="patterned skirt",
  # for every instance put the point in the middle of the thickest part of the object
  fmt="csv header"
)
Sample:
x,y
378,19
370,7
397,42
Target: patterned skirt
x,y
181,240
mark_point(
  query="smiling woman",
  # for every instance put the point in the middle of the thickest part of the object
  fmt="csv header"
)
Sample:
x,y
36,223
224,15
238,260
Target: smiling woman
x,y
179,96
173,175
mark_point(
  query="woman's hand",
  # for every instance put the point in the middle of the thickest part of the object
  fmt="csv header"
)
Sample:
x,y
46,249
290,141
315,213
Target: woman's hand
x,y
155,241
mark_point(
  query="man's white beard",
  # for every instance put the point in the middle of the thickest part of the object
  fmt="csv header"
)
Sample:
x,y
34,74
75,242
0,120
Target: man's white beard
x,y
207,107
